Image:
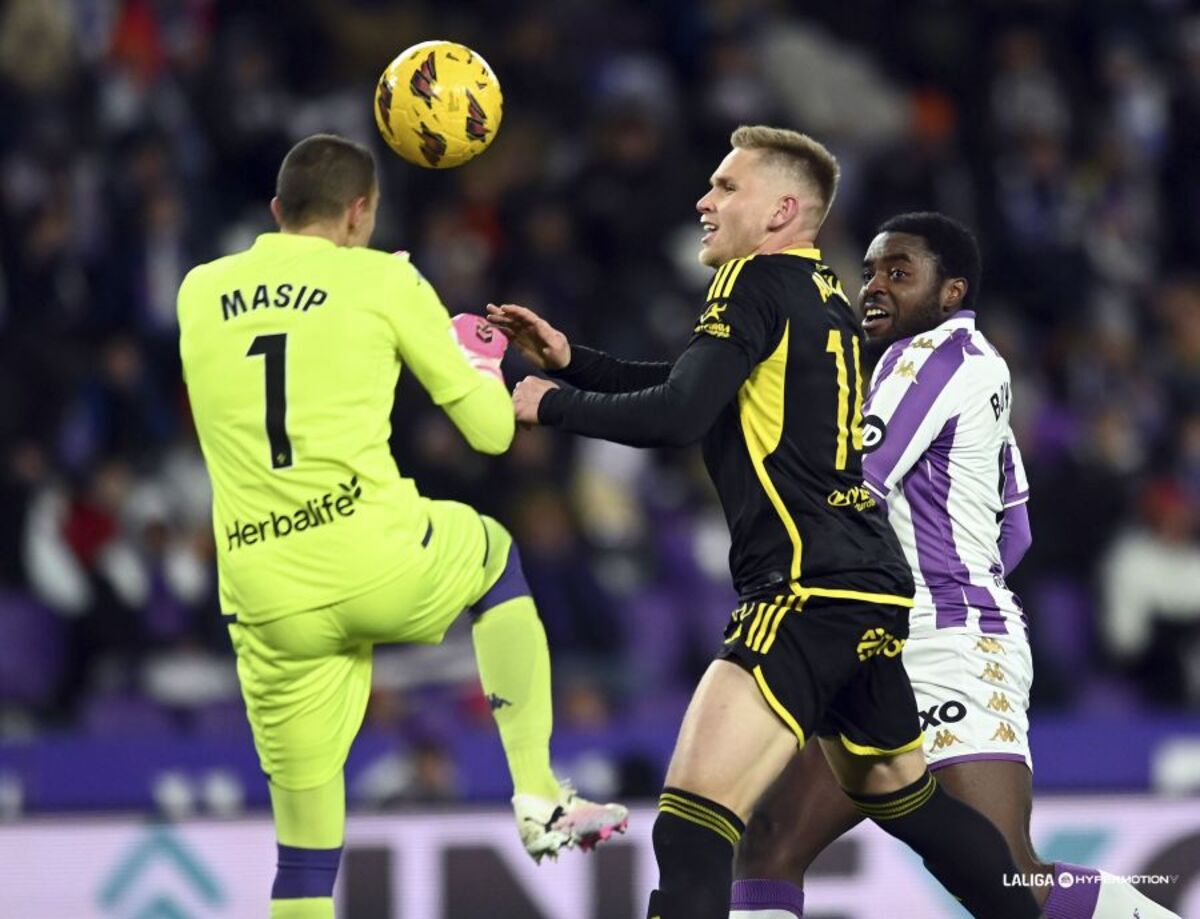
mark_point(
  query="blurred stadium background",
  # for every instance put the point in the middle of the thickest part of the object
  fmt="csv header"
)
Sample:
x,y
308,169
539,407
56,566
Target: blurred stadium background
x,y
142,137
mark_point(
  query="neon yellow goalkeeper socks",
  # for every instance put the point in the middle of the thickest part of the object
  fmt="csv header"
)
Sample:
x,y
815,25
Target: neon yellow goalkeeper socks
x,y
307,908
310,826
514,665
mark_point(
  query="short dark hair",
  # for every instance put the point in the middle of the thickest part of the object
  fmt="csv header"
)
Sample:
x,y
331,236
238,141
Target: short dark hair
x,y
951,243
321,176
808,159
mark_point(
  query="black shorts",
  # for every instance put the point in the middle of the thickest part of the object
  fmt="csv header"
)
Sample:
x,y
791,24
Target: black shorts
x,y
830,667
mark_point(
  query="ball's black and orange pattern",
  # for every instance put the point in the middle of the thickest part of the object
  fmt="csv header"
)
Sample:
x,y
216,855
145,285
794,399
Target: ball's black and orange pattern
x,y
438,104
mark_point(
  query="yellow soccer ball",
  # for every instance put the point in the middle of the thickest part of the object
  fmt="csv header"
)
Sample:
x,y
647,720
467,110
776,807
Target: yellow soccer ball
x,y
438,104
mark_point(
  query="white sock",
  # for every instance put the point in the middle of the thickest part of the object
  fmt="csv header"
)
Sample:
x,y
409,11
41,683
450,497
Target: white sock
x,y
1119,900
762,914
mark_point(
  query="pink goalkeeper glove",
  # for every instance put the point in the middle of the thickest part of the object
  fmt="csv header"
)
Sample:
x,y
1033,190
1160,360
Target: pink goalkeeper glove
x,y
482,344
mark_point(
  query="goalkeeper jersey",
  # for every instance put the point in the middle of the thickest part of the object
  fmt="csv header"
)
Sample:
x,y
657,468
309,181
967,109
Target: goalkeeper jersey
x,y
291,352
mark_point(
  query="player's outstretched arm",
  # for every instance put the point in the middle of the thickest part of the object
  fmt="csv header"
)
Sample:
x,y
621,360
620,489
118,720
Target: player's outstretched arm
x,y
585,368
543,345
675,413
456,361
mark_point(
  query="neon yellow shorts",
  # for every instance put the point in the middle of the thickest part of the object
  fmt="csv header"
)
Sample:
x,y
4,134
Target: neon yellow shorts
x,y
306,677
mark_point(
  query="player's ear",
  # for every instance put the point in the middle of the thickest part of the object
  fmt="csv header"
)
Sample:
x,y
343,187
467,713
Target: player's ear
x,y
276,212
954,292
786,208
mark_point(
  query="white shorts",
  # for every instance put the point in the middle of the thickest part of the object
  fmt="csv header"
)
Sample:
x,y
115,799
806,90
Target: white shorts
x,y
972,694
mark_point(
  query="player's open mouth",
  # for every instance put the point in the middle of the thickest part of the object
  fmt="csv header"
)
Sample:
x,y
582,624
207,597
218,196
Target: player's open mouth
x,y
709,230
876,320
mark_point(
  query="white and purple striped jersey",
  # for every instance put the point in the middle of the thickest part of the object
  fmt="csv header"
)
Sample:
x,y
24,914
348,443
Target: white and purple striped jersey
x,y
942,455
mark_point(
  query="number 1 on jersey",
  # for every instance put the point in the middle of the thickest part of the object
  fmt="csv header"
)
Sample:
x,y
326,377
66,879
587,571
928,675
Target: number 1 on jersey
x,y
849,425
273,348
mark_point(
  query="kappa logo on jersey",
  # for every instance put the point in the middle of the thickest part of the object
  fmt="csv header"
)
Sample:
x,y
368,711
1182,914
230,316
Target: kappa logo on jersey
x,y
999,703
879,641
313,513
874,430
944,739
906,370
990,646
1005,733
710,321
857,497
947,713
994,673
922,343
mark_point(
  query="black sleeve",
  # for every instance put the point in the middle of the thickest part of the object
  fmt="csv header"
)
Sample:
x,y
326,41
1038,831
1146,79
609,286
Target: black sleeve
x,y
599,372
674,413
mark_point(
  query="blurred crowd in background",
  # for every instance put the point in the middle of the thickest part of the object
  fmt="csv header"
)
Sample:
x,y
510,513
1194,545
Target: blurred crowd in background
x,y
142,137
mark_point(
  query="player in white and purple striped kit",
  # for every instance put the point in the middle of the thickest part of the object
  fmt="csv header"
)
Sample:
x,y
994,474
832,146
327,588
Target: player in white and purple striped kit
x,y
940,453
943,457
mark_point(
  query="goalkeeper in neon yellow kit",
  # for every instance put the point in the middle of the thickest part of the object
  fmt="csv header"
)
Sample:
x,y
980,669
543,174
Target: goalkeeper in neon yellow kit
x,y
291,351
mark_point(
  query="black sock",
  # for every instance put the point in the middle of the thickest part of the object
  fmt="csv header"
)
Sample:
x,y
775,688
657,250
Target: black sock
x,y
960,847
693,842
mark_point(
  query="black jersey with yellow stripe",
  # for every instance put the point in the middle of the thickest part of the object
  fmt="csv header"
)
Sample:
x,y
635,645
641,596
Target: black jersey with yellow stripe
x,y
786,454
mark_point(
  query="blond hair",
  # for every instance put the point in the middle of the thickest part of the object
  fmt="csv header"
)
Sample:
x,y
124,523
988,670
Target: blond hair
x,y
804,158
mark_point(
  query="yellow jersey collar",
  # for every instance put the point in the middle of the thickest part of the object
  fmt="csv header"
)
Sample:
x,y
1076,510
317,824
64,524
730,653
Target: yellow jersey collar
x,y
814,254
292,241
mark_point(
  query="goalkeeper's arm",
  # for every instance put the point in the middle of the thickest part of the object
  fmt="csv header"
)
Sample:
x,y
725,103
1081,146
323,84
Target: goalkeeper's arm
x,y
484,415
460,370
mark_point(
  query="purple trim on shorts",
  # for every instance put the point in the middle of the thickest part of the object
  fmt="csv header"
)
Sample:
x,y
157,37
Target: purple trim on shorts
x,y
302,873
510,585
1077,901
761,894
977,757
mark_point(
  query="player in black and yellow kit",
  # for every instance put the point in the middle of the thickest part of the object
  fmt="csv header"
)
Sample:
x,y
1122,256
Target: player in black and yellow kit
x,y
291,351
771,384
